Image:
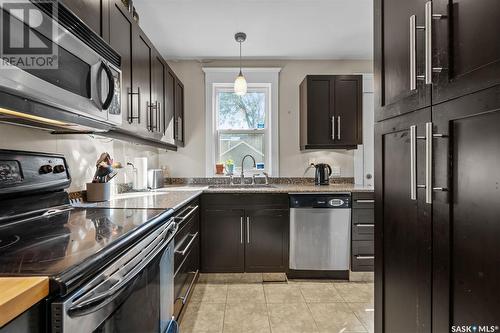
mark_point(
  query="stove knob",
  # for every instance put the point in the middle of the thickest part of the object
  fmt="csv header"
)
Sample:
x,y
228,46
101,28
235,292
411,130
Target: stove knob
x,y
59,168
44,169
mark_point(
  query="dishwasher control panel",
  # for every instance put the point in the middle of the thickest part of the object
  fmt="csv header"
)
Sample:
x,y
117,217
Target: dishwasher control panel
x,y
333,200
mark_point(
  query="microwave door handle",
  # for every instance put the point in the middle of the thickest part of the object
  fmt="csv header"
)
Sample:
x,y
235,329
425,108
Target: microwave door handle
x,y
111,85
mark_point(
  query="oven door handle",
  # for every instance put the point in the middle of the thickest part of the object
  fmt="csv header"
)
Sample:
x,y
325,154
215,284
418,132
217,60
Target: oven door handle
x,y
182,217
83,304
111,86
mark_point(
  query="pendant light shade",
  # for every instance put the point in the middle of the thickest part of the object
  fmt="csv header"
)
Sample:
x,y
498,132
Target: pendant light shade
x,y
240,84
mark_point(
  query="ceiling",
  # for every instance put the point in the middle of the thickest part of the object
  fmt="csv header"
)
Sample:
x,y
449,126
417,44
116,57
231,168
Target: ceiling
x,y
276,29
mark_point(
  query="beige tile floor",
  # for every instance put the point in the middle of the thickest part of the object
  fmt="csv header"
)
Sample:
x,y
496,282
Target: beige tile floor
x,y
234,303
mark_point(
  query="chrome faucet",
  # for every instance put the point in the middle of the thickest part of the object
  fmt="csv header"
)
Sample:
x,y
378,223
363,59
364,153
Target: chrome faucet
x,y
242,162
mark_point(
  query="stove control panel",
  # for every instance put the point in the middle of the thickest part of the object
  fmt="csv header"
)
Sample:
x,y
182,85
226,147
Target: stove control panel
x,y
26,172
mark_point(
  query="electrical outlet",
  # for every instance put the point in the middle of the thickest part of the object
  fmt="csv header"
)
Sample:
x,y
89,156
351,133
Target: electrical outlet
x,y
336,171
312,161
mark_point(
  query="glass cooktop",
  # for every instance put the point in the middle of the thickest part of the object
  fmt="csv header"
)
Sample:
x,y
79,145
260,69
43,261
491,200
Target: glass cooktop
x,y
51,244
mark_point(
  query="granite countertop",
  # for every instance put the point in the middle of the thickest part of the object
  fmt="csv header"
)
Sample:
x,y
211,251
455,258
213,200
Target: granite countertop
x,y
291,188
175,196
171,199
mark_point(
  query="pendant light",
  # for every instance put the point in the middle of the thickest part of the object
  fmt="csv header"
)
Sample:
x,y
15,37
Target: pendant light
x,y
240,84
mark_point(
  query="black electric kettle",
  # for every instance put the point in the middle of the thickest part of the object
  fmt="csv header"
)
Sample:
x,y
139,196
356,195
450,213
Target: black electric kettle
x,y
323,173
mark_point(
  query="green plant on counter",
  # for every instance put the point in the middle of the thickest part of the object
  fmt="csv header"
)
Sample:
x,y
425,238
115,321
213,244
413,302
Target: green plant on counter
x,y
229,162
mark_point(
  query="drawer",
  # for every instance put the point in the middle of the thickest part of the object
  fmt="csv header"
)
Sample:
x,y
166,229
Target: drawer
x,y
363,232
363,224
362,258
186,244
188,230
245,200
363,200
362,247
365,216
362,263
185,278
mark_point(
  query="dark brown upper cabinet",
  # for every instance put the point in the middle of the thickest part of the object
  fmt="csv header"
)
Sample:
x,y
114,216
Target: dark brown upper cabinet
x,y
157,109
170,79
174,113
465,50
179,113
151,93
457,60
141,85
119,35
396,66
331,112
89,11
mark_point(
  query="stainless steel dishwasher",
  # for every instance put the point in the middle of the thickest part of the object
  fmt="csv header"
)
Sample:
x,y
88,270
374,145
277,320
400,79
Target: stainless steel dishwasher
x,y
320,237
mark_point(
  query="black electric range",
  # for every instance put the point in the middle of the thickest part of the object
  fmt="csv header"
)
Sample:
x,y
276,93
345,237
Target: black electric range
x,y
42,234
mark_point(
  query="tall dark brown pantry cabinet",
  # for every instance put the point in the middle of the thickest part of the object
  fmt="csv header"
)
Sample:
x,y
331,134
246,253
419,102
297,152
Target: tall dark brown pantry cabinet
x,y
437,184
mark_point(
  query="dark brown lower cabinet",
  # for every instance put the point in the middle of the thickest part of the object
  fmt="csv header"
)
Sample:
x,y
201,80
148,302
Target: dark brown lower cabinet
x,y
402,228
187,255
223,247
362,232
466,217
244,233
437,262
266,247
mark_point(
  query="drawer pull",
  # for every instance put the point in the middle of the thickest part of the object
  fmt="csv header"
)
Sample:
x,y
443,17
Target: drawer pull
x,y
188,291
364,257
365,201
188,246
365,225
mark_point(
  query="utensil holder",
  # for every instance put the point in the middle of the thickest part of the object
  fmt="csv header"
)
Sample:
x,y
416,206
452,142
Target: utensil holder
x,y
97,192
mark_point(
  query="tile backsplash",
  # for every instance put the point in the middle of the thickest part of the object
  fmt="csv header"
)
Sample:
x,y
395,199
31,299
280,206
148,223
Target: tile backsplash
x,y
81,151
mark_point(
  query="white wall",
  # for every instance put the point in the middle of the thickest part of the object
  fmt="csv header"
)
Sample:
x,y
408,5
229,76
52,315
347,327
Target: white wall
x,y
81,151
190,160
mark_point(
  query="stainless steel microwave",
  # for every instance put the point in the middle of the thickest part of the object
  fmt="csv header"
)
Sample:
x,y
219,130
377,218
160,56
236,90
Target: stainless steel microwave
x,y
84,76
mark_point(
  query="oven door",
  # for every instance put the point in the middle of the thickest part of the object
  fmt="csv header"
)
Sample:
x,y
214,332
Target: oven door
x,y
133,294
70,76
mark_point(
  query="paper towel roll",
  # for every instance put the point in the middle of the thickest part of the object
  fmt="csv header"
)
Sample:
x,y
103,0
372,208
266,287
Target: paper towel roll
x,y
141,173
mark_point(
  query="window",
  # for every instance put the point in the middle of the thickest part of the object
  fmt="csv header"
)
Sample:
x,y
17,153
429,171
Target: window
x,y
236,126
241,126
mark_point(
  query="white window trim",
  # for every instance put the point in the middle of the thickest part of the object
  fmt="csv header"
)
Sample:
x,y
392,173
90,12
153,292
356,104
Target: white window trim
x,y
260,87
256,77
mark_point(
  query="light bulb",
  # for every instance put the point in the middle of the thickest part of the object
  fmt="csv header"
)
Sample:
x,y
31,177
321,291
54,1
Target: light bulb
x,y
240,85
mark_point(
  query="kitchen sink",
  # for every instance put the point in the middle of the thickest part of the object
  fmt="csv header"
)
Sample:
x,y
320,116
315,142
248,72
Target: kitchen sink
x,y
242,186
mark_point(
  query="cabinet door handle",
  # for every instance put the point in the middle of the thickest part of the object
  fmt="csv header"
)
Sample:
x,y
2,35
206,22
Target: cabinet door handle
x,y
429,16
338,128
365,225
428,42
248,229
138,105
365,201
413,162
413,53
241,229
333,127
428,163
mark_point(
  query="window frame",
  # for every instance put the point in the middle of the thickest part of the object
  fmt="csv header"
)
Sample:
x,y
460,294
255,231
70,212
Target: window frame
x,y
252,87
254,75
